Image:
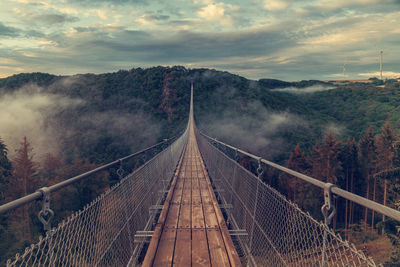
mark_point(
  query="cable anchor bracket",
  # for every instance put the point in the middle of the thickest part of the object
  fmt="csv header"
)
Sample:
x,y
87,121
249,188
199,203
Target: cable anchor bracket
x,y
260,169
46,214
328,210
120,171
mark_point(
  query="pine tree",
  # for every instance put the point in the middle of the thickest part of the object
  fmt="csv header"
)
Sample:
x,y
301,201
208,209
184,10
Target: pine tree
x,y
330,153
385,148
326,161
297,162
5,169
316,161
50,169
349,159
367,160
87,189
24,182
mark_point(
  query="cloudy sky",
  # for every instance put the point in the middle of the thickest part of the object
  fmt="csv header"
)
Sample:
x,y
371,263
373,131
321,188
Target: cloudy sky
x,y
283,39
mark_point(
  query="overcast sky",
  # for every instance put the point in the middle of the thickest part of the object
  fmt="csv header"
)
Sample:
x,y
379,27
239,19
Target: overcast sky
x,y
283,39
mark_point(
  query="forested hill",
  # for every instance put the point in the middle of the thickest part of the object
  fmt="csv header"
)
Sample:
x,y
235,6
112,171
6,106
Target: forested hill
x,y
74,123
102,117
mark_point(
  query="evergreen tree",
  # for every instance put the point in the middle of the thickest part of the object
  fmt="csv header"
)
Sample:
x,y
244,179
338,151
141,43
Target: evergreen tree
x,y
23,182
330,154
87,189
316,161
5,169
367,159
297,162
326,161
349,159
385,148
50,169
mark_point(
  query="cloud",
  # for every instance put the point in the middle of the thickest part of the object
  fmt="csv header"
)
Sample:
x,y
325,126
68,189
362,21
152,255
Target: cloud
x,y
8,31
305,90
215,13
55,18
336,4
48,18
112,2
186,45
291,40
275,5
24,113
151,19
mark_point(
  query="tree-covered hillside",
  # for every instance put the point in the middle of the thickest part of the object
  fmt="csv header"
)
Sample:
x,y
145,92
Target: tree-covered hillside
x,y
60,126
104,116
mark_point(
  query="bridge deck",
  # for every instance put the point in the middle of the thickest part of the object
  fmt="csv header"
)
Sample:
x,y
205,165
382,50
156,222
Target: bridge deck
x,y
191,230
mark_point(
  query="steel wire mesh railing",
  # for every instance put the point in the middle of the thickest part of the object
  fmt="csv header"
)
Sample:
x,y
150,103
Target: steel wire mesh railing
x,y
102,233
279,232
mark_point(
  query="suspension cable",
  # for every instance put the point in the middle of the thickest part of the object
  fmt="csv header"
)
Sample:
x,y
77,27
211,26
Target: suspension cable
x,y
392,213
38,195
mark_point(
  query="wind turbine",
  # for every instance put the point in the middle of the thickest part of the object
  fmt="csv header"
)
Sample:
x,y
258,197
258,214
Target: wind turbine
x,y
343,67
380,61
344,70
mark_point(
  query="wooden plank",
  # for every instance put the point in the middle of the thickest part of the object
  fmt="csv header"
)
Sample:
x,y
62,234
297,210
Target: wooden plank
x,y
210,216
183,249
217,249
230,248
183,239
165,251
196,197
185,216
200,253
197,216
172,216
155,240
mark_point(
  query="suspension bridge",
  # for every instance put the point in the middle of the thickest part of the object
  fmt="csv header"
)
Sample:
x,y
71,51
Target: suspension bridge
x,y
192,204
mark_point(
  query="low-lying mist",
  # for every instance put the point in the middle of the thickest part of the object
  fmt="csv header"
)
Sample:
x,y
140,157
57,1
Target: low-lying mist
x,y
305,90
24,113
256,129
55,123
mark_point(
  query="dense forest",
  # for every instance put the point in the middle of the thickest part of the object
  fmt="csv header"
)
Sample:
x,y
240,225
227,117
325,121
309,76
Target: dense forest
x,y
345,134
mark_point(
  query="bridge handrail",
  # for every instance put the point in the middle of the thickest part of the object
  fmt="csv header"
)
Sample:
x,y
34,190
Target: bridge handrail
x,y
39,194
387,211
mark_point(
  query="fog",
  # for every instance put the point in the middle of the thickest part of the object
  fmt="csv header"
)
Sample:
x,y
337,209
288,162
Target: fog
x,y
305,90
256,130
24,113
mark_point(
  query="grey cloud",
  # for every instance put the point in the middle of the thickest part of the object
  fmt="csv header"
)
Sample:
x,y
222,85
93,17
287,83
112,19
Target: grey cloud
x,y
254,53
86,29
191,46
54,18
34,33
384,6
159,17
8,31
111,2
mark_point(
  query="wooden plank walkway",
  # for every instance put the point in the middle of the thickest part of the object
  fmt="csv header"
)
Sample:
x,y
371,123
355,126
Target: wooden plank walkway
x,y
191,230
